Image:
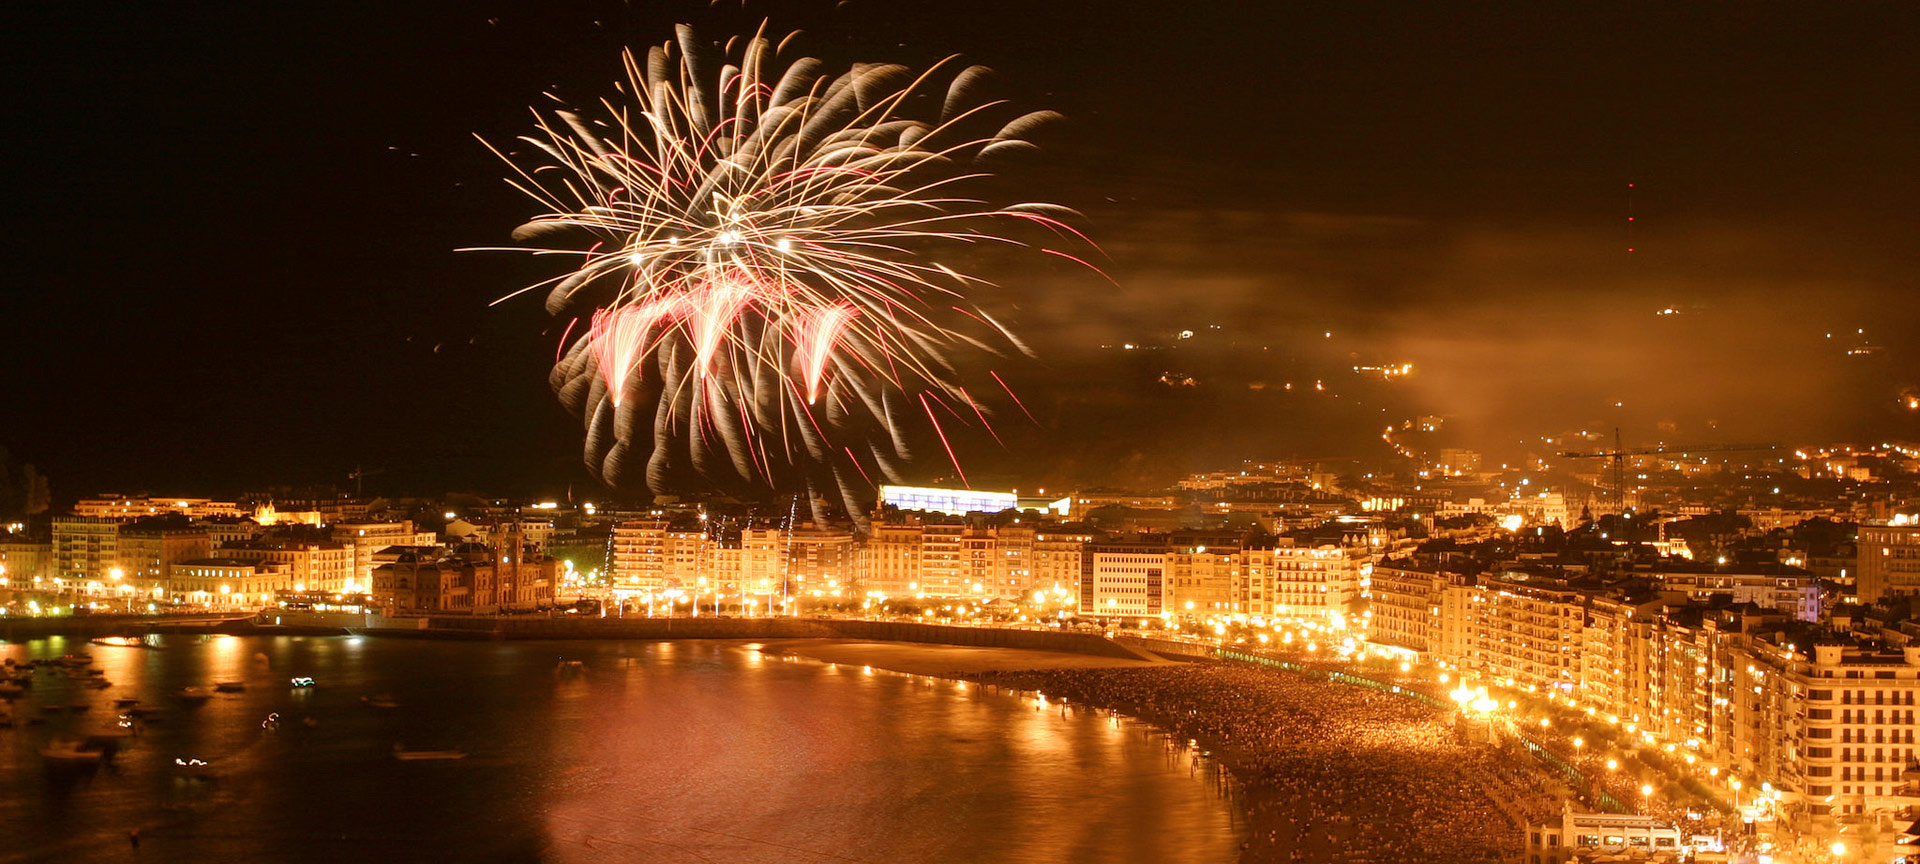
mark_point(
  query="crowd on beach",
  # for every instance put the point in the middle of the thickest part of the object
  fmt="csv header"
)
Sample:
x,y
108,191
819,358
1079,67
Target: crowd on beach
x,y
1334,773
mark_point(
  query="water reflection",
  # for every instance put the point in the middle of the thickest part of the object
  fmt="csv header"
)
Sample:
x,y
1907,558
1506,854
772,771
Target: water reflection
x,y
644,752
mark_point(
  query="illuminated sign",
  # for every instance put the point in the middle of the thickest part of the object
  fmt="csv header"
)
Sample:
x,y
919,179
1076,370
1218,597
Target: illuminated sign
x,y
953,501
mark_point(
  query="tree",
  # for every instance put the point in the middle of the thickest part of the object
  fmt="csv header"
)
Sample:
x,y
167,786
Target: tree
x,y
23,489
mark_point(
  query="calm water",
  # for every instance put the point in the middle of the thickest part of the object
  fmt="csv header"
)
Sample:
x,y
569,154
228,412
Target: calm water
x,y
657,752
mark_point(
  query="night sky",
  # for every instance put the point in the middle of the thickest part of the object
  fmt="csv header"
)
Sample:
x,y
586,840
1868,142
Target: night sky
x,y
232,228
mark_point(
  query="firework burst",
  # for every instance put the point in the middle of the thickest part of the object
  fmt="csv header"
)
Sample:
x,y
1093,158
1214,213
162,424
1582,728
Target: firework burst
x,y
754,250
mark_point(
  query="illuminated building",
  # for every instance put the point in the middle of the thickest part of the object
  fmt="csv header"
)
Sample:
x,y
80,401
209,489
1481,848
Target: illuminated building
x,y
1889,558
889,560
24,560
85,548
955,502
123,507
1789,590
1528,632
149,548
366,539
654,554
820,559
1123,579
408,578
311,566
1302,581
1420,609
1057,553
227,582
1557,841
1833,730
762,570
484,579
268,514
1201,580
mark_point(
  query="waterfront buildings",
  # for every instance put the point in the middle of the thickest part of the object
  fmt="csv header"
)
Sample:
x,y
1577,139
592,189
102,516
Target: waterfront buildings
x,y
1588,837
1889,557
1124,579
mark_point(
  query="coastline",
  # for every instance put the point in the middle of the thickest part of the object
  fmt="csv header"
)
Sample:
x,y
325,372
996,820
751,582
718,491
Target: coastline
x,y
1387,782
1254,805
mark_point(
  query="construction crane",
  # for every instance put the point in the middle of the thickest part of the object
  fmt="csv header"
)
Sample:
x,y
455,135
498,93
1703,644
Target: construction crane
x,y
359,475
1619,456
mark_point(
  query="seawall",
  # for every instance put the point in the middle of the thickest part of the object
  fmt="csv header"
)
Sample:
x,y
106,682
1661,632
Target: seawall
x,y
91,626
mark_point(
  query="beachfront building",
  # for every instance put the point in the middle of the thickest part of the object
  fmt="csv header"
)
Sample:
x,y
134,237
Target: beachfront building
x,y
1587,837
1124,579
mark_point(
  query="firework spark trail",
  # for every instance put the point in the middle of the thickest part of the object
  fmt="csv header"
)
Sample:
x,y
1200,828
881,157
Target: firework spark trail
x,y
755,239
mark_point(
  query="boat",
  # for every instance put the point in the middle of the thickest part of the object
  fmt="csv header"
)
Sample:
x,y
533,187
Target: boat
x,y
10,690
125,703
302,682
192,767
98,683
405,755
66,751
74,660
229,686
194,695
382,701
120,642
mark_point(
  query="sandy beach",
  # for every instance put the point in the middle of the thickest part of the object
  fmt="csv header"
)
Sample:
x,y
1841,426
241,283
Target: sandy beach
x,y
954,661
1332,773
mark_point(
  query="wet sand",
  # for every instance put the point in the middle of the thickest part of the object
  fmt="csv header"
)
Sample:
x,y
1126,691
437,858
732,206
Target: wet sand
x,y
951,661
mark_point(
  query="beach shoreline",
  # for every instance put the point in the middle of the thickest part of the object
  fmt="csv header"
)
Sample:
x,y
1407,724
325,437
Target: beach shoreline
x,y
1285,821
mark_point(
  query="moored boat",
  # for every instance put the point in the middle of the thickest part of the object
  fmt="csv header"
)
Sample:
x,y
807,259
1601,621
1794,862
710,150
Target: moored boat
x,y
66,751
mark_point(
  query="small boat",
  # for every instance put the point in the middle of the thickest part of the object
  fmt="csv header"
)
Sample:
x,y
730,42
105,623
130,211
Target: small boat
x,y
120,642
229,686
194,695
10,690
79,707
141,712
302,682
69,752
125,703
382,701
98,683
192,767
405,755
74,661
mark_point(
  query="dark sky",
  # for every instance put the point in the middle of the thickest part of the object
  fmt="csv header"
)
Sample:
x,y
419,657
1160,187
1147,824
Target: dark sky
x,y
232,227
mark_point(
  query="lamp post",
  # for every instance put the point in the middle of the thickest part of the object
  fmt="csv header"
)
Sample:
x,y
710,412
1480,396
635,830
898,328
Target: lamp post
x,y
1486,706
